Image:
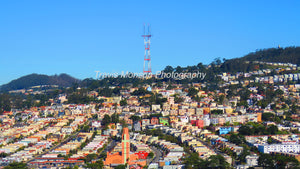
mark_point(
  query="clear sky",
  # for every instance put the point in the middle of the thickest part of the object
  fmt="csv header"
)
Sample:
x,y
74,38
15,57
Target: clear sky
x,y
79,37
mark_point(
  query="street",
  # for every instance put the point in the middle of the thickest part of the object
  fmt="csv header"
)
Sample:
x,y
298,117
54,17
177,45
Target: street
x,y
157,154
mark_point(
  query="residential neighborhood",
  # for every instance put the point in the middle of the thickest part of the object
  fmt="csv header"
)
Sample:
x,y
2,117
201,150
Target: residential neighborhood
x,y
160,125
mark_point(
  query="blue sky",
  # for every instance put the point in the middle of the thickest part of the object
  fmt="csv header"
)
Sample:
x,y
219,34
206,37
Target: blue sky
x,y
80,37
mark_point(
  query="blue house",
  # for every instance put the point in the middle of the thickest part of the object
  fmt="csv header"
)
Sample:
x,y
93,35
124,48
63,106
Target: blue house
x,y
61,114
225,130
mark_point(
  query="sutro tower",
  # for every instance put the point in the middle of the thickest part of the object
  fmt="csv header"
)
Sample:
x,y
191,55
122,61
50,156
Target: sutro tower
x,y
147,56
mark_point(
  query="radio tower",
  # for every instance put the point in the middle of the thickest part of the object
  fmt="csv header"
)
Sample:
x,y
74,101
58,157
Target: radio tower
x,y
147,56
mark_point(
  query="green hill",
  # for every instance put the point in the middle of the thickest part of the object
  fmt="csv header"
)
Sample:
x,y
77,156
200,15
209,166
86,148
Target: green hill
x,y
62,80
283,55
279,55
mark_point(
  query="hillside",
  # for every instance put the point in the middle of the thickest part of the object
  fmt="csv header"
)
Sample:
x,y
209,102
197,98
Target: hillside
x,y
283,55
62,80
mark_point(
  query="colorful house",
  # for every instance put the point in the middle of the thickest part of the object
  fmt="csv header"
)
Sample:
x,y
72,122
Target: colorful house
x,y
225,130
164,121
198,123
154,120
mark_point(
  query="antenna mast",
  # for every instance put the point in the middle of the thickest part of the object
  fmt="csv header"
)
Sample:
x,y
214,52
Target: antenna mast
x,y
147,56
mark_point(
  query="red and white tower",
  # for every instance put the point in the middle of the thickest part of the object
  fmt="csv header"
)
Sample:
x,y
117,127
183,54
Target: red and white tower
x,y
147,56
125,146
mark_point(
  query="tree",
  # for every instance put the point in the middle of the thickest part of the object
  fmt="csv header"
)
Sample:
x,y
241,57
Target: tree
x,y
95,116
263,103
268,117
140,92
178,99
245,130
217,161
221,99
192,91
120,166
60,155
168,69
270,140
217,61
94,166
116,91
178,69
151,155
115,118
237,139
85,128
245,94
243,103
279,92
107,92
245,152
135,118
106,120
266,161
3,154
100,163
214,161
123,122
90,157
170,86
192,161
78,98
200,66
123,102
5,104
16,165
272,129
294,108
216,111
278,161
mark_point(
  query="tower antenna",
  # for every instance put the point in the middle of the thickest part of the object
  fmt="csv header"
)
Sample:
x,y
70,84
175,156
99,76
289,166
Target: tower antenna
x,y
147,56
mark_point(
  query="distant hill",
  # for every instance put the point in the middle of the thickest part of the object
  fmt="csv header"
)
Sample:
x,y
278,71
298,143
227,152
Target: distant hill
x,y
62,80
283,55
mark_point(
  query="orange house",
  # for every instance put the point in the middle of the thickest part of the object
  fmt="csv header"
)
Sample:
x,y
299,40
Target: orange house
x,y
154,120
258,117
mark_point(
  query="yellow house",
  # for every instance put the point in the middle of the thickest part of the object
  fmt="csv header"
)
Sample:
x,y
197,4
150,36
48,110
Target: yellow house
x,y
109,99
228,110
173,119
174,107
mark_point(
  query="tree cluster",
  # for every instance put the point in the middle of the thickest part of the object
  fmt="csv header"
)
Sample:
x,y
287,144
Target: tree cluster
x,y
16,165
114,118
258,129
213,162
268,161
